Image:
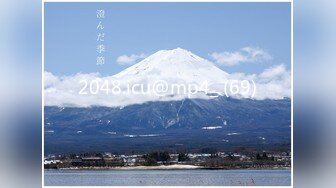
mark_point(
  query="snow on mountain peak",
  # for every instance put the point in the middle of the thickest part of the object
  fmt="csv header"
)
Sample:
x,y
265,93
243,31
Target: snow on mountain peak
x,y
178,65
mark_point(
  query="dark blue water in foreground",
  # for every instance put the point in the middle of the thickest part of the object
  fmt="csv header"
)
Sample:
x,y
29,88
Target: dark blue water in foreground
x,y
167,177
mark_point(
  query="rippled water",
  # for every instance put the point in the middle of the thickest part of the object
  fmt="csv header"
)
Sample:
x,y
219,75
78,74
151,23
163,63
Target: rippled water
x,y
167,177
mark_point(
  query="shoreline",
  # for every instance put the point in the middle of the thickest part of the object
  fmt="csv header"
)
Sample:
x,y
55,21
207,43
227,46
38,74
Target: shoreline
x,y
167,167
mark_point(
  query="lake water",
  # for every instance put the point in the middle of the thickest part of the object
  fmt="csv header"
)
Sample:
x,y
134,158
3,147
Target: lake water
x,y
167,177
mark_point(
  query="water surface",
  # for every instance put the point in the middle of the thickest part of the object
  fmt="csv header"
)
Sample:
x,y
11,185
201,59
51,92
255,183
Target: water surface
x,y
167,177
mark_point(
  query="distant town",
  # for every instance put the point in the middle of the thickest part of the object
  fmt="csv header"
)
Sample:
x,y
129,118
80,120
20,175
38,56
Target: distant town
x,y
166,160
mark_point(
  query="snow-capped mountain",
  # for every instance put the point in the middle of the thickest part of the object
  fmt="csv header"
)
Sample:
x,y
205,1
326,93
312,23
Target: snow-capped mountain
x,y
184,74
133,122
174,66
167,75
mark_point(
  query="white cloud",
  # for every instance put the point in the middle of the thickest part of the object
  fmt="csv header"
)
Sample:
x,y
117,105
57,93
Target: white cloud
x,y
244,55
50,79
276,71
272,83
130,59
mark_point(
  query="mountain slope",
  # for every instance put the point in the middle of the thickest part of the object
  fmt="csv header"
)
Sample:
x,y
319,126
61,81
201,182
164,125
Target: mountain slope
x,y
167,75
174,66
125,123
222,123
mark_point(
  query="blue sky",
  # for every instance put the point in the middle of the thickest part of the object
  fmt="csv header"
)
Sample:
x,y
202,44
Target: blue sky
x,y
136,28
